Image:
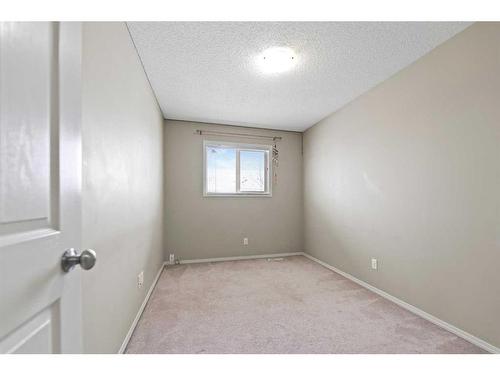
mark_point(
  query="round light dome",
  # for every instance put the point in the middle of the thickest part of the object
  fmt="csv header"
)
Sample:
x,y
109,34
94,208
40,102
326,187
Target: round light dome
x,y
276,60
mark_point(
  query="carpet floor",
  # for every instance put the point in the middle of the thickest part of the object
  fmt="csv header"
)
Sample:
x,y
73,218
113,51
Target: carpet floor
x,y
289,306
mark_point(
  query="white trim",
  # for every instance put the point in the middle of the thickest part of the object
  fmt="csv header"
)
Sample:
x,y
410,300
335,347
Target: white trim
x,y
141,309
245,257
450,328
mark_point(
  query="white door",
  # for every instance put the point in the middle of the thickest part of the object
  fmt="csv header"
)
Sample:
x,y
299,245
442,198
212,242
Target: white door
x,y
40,186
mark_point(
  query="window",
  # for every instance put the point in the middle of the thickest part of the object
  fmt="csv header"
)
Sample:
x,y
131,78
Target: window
x,y
234,169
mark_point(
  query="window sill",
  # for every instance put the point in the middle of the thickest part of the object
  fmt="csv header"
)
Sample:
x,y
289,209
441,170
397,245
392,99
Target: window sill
x,y
264,195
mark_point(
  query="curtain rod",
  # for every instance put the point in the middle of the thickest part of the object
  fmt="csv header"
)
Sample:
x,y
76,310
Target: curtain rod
x,y
243,135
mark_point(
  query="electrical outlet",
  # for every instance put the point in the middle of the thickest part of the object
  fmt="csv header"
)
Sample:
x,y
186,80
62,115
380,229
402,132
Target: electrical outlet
x,y
245,241
140,280
374,264
171,259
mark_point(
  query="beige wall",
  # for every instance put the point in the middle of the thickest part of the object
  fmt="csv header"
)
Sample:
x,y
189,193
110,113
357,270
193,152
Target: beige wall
x,y
409,173
122,184
199,227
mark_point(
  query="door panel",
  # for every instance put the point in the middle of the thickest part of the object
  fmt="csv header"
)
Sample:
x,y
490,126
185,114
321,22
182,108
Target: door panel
x,y
35,336
40,188
28,173
28,89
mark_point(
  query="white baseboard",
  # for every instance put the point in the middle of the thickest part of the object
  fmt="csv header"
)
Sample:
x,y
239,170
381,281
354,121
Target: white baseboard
x,y
225,259
450,328
141,309
155,281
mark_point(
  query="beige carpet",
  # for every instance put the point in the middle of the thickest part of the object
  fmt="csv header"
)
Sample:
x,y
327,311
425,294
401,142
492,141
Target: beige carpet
x,y
289,306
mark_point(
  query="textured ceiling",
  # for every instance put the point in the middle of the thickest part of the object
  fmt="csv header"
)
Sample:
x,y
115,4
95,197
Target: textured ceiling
x,y
206,71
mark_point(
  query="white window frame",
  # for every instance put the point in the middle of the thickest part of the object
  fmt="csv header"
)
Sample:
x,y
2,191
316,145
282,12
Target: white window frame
x,y
239,147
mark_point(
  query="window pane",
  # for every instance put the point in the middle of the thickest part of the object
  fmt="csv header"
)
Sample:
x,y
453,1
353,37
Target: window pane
x,y
221,170
252,170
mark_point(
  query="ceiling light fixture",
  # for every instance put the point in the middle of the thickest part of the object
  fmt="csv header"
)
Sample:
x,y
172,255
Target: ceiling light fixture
x,y
276,60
